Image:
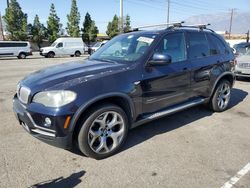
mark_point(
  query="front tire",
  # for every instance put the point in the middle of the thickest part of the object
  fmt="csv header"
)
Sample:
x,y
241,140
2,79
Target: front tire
x,y
103,132
221,97
51,55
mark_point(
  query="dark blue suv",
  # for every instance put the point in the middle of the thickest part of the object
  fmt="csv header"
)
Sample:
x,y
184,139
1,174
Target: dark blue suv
x,y
135,78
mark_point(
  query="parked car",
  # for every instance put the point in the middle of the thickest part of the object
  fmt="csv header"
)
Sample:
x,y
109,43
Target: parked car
x,y
92,105
97,45
241,48
19,49
242,68
65,46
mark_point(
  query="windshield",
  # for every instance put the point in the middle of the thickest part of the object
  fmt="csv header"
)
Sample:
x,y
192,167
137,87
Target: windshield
x,y
248,52
53,44
98,44
125,48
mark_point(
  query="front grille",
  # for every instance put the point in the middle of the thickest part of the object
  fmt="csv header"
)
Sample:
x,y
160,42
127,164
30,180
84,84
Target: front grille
x,y
23,94
244,65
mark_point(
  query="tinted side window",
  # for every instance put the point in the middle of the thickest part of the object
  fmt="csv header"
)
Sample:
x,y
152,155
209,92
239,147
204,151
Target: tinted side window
x,y
198,45
216,41
60,45
12,44
173,45
213,46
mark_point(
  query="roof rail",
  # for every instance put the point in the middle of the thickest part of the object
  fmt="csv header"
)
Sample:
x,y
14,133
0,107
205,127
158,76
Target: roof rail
x,y
197,26
174,24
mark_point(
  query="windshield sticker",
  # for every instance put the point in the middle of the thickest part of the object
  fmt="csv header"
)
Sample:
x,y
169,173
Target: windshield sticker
x,y
145,39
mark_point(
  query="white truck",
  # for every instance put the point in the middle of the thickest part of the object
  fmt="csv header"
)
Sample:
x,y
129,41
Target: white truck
x,y
64,46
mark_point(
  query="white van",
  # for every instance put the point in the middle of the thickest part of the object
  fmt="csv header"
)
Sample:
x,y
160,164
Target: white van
x,y
18,49
64,46
98,45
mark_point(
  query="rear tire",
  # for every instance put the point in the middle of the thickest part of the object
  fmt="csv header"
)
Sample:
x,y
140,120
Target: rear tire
x,y
22,56
77,54
103,131
221,97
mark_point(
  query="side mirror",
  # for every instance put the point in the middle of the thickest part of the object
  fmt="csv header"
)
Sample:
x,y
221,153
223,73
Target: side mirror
x,y
160,59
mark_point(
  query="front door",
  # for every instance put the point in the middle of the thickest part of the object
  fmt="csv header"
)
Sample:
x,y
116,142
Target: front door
x,y
163,86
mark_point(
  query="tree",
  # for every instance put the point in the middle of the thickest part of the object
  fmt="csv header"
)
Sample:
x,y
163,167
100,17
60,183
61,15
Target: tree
x,y
113,27
16,21
73,21
89,30
93,31
53,24
127,24
38,31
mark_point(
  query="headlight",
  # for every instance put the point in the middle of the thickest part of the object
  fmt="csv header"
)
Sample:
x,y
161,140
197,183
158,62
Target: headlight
x,y
54,98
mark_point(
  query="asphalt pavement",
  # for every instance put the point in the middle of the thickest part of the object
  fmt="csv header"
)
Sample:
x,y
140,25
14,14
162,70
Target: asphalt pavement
x,y
192,148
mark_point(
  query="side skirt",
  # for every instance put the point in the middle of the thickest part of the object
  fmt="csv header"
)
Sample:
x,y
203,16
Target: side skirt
x,y
150,117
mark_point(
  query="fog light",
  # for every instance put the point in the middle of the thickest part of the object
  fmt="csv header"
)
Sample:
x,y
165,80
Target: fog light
x,y
47,122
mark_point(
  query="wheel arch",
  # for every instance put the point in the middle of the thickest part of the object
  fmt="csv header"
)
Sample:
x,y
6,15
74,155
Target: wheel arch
x,y
227,76
52,52
120,99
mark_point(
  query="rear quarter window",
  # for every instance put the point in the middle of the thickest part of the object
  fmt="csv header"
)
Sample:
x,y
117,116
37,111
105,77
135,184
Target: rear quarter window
x,y
12,44
216,42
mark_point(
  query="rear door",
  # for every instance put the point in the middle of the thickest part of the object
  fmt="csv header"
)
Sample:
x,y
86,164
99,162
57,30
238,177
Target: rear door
x,y
167,85
6,49
203,57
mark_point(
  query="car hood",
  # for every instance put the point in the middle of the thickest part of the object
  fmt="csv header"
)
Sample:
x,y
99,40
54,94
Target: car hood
x,y
243,59
48,48
70,73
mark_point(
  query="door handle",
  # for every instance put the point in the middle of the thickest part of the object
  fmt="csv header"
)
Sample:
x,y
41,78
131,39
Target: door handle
x,y
185,69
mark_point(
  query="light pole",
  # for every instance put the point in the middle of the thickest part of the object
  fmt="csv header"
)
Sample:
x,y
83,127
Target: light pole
x,y
168,11
121,16
231,22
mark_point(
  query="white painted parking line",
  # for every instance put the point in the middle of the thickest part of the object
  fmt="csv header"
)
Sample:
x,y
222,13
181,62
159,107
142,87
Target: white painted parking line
x,y
237,177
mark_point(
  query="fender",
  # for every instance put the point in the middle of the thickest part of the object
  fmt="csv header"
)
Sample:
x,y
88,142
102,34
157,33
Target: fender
x,y
96,99
219,78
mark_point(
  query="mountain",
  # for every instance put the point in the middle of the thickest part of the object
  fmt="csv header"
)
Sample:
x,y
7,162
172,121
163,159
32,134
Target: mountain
x,y
221,21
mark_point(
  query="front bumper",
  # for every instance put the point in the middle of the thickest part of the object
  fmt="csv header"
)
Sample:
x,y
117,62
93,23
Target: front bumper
x,y
43,54
240,72
49,136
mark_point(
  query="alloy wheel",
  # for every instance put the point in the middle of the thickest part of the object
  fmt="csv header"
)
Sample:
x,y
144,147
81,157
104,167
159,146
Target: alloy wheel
x,y
224,96
106,132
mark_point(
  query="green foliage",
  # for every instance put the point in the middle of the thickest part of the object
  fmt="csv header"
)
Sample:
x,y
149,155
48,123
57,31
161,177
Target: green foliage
x,y
53,24
113,27
73,21
89,30
16,21
127,26
38,31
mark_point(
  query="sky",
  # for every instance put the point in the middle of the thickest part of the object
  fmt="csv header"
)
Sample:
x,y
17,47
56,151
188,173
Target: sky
x,y
142,12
